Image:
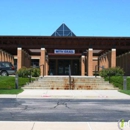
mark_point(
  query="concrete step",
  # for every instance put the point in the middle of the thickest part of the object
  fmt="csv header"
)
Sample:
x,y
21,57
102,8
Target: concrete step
x,y
56,82
76,79
75,86
67,81
62,84
67,88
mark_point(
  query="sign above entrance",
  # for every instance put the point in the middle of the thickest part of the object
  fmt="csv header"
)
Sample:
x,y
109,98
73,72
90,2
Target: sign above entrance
x,y
58,51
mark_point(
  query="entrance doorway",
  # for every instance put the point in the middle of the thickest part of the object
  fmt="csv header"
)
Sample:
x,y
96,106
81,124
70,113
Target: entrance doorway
x,y
61,67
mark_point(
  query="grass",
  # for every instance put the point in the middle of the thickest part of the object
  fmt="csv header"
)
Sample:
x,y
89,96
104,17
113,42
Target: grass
x,y
117,81
7,84
125,91
11,91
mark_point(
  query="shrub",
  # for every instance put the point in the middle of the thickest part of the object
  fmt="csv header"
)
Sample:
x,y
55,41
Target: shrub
x,y
128,83
114,75
25,72
117,81
115,71
35,72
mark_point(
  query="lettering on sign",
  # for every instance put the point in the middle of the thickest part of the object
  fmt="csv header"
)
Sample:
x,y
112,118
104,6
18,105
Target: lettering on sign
x,y
57,51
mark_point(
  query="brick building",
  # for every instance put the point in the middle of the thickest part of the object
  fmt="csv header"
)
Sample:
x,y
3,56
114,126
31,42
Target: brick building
x,y
55,53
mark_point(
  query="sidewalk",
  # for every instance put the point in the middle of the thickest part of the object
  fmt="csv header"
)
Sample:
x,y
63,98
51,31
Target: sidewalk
x,y
72,94
59,126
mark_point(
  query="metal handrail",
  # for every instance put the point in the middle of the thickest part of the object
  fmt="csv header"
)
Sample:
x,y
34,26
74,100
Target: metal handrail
x,y
70,82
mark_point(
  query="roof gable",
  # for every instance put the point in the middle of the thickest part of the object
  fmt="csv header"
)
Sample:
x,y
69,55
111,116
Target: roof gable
x,y
63,30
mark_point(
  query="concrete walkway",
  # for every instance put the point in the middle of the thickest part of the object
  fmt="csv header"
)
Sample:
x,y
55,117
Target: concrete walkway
x,y
73,94
60,126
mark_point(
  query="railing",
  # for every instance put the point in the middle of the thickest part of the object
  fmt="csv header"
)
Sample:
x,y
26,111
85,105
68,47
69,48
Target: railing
x,y
71,81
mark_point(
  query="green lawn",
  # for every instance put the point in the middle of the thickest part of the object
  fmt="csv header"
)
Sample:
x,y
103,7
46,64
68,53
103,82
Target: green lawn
x,y
11,91
117,81
125,91
7,84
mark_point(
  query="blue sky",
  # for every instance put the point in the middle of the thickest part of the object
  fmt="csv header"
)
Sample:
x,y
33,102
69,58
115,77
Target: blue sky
x,y
83,17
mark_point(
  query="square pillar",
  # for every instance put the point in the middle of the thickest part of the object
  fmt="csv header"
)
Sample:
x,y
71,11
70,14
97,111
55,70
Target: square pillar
x,y
90,62
82,65
113,58
42,62
19,58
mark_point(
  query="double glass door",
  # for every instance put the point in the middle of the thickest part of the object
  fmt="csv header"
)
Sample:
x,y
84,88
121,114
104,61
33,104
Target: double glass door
x,y
61,67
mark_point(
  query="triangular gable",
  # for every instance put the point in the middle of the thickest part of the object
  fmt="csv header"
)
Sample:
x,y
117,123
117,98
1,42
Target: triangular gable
x,y
63,30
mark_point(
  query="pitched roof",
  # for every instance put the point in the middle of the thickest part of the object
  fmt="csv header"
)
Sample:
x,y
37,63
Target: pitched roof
x,y
63,30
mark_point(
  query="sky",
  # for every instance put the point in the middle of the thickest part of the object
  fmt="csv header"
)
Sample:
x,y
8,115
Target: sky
x,y
83,17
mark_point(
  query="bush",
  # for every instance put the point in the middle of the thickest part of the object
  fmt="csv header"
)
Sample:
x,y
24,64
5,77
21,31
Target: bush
x,y
35,72
114,75
115,71
25,72
128,83
117,81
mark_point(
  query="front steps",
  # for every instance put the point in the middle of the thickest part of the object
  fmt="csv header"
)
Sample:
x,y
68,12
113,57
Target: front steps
x,y
77,83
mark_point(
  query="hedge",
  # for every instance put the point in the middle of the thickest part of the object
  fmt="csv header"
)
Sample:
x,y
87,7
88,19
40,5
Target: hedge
x,y
25,72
